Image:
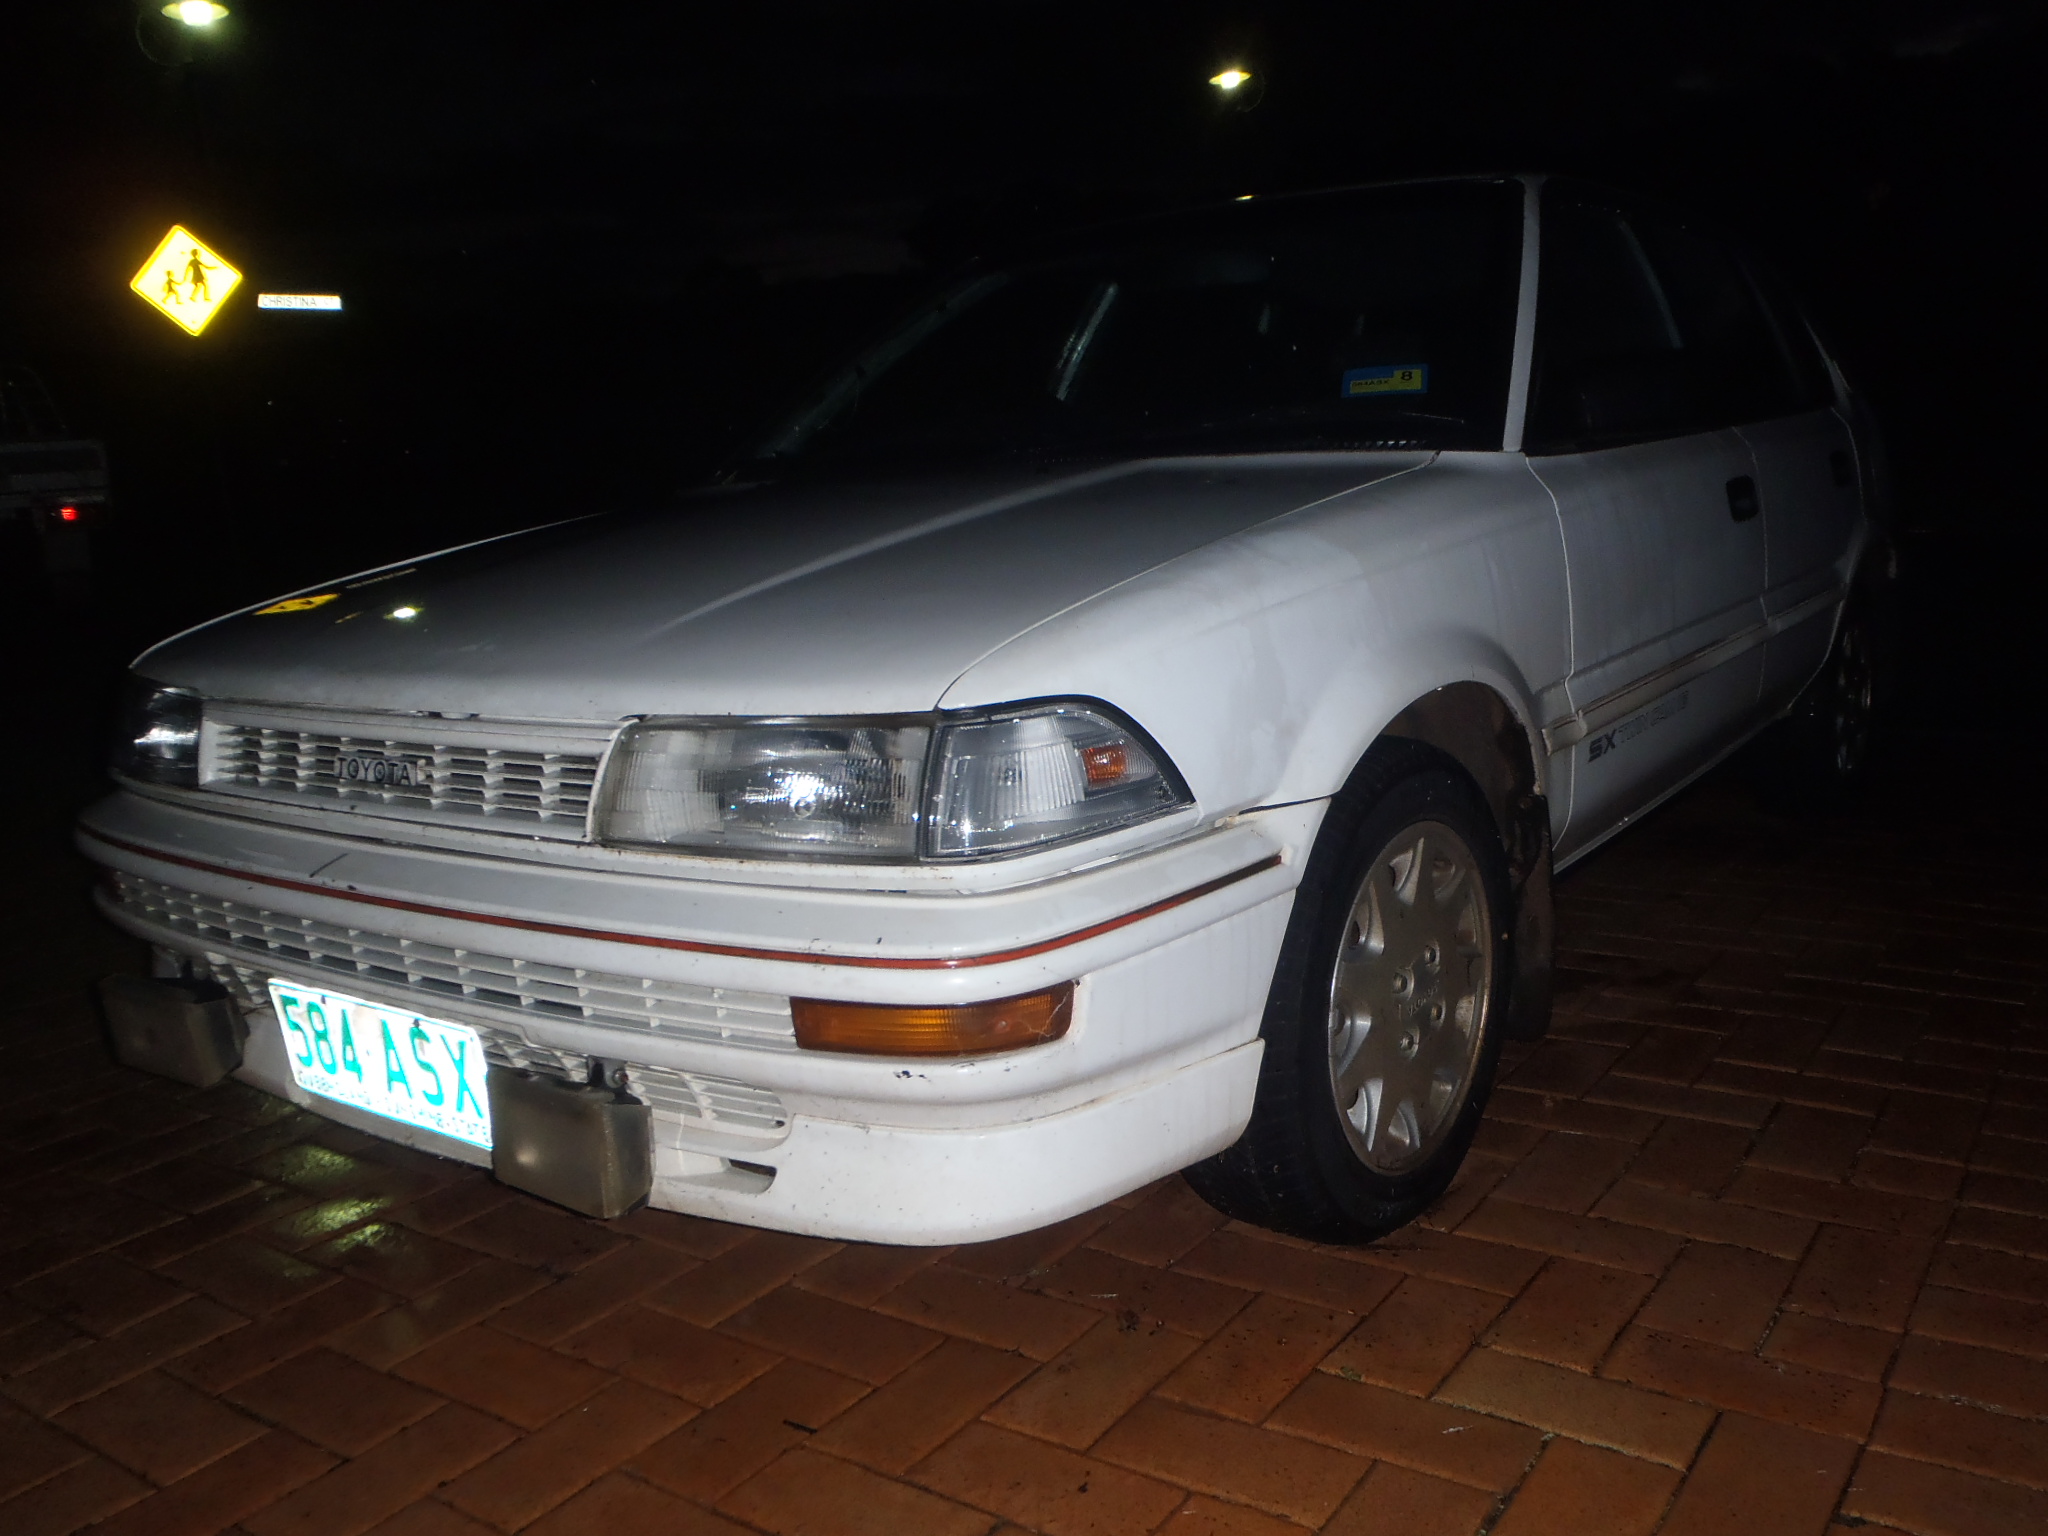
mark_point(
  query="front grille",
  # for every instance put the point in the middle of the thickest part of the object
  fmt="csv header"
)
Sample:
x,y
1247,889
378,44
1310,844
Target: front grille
x,y
238,932
521,778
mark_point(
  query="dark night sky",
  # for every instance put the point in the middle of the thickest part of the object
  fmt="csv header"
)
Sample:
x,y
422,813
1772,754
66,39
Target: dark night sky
x,y
582,245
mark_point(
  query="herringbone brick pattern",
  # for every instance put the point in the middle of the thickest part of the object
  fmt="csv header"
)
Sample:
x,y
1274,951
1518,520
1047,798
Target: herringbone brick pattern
x,y
1756,1242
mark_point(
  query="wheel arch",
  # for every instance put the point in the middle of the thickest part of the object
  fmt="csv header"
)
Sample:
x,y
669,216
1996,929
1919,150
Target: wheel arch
x,y
1478,726
1474,726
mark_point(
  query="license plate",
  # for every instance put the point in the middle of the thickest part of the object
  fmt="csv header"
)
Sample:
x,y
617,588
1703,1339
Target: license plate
x,y
420,1071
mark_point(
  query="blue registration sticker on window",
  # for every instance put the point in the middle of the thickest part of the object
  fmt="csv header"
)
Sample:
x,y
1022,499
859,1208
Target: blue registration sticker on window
x,y
1411,380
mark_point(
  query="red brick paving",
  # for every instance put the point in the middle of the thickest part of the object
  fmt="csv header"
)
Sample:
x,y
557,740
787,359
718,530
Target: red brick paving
x,y
1756,1242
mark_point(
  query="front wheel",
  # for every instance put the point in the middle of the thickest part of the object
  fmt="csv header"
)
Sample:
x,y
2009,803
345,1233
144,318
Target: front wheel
x,y
1382,1028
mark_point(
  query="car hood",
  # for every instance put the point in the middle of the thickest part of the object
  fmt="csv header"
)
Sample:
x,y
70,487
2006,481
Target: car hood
x,y
794,598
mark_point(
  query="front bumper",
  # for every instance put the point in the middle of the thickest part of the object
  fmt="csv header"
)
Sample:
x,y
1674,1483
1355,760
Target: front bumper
x,y
1172,949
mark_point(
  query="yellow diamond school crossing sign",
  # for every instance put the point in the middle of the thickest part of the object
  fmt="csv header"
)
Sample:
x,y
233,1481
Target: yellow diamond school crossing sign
x,y
186,278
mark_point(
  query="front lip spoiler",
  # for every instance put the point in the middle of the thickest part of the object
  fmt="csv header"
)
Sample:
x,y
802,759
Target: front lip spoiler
x,y
701,947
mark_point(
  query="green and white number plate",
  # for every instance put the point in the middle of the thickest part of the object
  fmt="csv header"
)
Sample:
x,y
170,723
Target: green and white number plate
x,y
424,1072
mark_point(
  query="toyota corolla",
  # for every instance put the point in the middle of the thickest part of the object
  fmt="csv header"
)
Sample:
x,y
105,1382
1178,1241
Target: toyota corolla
x,y
1126,720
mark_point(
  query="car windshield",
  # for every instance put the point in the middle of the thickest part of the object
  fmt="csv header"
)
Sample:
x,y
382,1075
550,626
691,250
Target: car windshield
x,y
1374,319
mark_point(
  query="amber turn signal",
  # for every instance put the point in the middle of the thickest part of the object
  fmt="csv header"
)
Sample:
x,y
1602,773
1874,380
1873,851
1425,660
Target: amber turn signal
x,y
970,1029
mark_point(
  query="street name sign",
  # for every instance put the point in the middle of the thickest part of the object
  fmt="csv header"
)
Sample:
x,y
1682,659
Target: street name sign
x,y
328,301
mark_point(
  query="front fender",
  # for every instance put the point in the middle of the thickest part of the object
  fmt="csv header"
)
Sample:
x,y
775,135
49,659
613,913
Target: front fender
x,y
1267,663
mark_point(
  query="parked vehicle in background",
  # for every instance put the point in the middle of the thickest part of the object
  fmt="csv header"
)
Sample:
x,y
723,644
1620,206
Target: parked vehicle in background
x,y
53,485
1127,721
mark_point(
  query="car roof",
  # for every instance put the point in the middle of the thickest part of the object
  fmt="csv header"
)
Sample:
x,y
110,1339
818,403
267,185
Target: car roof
x,y
1248,208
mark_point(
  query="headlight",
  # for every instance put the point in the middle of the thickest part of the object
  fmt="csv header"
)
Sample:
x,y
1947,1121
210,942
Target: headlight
x,y
156,738
836,788
998,781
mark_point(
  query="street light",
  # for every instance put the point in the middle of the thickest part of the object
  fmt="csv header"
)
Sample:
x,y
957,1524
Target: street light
x,y
1231,79
174,32
195,13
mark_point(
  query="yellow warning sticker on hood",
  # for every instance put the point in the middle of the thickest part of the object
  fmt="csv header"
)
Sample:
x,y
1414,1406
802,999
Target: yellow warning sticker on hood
x,y
299,604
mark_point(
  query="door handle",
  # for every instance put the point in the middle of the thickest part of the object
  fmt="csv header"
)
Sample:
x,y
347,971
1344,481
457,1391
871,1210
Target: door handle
x,y
1742,502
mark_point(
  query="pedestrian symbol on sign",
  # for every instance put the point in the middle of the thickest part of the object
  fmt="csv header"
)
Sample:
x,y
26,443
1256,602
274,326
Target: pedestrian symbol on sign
x,y
186,279
195,277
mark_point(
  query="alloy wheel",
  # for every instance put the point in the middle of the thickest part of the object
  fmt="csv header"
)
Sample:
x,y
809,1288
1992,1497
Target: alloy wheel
x,y
1853,698
1408,997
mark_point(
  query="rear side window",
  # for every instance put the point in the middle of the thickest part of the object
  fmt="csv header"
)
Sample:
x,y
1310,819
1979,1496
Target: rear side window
x,y
1813,384
1648,328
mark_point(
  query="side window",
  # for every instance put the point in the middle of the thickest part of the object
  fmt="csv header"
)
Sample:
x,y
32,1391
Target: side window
x,y
1736,360
1611,364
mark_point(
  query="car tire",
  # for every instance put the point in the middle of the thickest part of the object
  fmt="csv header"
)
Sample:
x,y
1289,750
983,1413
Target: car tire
x,y
1821,752
1384,1022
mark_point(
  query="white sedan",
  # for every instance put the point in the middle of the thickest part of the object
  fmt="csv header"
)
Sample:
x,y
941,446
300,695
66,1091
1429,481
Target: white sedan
x,y
1127,721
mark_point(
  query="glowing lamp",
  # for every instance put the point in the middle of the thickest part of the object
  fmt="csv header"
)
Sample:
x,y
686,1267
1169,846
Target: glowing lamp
x,y
195,13
1230,79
